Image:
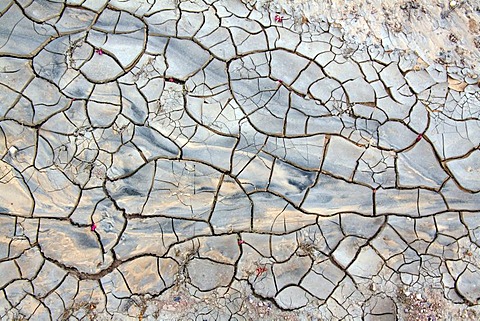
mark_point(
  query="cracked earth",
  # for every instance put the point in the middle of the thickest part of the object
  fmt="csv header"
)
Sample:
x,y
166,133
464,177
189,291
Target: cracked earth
x,y
216,160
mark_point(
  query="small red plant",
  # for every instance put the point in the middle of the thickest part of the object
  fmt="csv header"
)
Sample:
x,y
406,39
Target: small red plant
x,y
419,137
240,242
93,227
99,51
278,18
260,270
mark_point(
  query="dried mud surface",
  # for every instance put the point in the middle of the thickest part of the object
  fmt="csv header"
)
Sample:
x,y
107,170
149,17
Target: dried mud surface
x,y
229,160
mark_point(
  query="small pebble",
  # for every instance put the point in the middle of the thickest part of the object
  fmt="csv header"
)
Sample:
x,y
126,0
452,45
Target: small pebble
x,y
13,151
